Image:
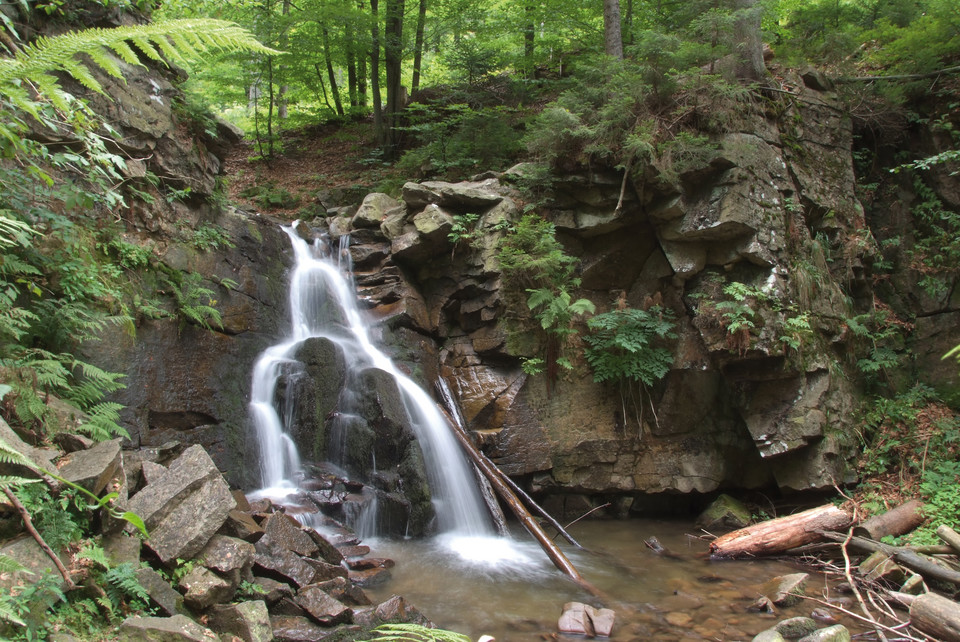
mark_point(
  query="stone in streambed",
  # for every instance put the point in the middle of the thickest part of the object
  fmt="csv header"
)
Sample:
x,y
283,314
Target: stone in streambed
x,y
835,633
293,628
796,627
204,588
178,628
249,621
785,590
285,565
770,635
583,619
322,607
724,514
283,533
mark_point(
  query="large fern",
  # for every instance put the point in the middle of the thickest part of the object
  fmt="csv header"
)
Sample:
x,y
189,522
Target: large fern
x,y
177,41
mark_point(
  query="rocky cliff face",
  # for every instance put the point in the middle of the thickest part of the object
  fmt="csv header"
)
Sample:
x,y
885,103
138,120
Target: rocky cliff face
x,y
774,211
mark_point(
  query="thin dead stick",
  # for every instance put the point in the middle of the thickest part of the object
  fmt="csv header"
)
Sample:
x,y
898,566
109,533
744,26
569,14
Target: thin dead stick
x,y
863,619
853,585
592,510
28,524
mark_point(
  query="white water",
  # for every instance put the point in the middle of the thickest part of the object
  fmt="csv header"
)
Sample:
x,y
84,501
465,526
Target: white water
x,y
323,304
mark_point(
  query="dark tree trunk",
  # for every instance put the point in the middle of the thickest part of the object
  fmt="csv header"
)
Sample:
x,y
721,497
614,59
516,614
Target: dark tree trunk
x,y
747,42
529,40
351,66
375,71
418,47
613,40
392,58
331,76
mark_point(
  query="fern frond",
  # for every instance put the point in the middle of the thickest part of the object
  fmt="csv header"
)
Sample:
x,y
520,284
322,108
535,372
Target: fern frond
x,y
95,554
10,455
124,579
7,481
10,565
416,633
180,40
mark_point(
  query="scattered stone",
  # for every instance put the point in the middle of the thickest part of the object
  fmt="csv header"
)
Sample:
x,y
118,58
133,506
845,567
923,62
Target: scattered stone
x,y
823,615
162,595
71,442
184,507
835,633
273,591
204,588
342,589
287,606
122,548
178,628
227,554
325,571
785,589
249,621
879,567
369,577
283,533
292,628
397,609
152,471
763,604
94,468
328,551
365,563
680,619
286,566
770,635
723,514
28,553
324,609
354,551
796,627
241,525
914,585
583,619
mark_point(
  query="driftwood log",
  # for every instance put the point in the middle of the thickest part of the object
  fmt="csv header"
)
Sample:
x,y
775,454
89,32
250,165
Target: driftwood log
x,y
902,556
936,616
781,534
896,521
950,537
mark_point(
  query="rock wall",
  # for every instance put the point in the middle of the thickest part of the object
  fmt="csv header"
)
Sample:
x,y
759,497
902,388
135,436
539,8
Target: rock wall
x,y
774,210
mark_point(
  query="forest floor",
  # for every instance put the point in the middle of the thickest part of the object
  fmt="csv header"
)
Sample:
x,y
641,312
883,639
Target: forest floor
x,y
311,161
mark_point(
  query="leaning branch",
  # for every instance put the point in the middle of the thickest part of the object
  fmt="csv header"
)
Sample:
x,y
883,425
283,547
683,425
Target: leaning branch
x,y
931,74
28,524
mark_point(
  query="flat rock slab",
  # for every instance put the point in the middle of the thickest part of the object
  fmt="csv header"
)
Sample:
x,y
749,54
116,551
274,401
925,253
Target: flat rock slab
x,y
178,628
249,621
162,595
583,619
204,588
835,633
226,554
185,506
342,589
285,566
292,628
322,607
785,590
283,533
94,468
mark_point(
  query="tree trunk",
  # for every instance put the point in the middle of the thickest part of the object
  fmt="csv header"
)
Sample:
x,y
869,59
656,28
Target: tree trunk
x,y
613,40
418,47
902,556
628,23
361,67
781,534
331,76
949,536
375,71
896,521
392,60
936,616
747,42
351,65
529,39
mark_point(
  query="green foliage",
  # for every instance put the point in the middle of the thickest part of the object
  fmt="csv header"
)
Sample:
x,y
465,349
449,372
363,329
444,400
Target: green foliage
x,y
531,256
208,237
269,196
58,519
464,228
456,139
30,604
882,336
555,309
415,633
623,345
195,301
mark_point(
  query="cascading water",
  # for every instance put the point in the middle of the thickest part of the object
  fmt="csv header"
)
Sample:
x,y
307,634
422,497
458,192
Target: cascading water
x,y
323,304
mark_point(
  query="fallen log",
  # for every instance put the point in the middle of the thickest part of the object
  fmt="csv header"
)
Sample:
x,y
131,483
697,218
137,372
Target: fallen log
x,y
902,556
936,616
896,521
519,510
780,534
949,537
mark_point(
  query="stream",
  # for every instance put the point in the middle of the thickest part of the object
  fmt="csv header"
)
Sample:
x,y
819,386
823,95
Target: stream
x,y
521,596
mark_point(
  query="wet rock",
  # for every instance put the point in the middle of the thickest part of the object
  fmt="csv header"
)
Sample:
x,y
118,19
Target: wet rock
x,y
285,566
203,588
835,633
369,577
327,551
374,209
227,554
367,563
249,621
397,609
272,590
354,551
325,571
785,589
583,619
178,628
185,506
161,594
770,635
682,620
345,591
241,525
322,607
291,628
879,567
283,533
823,615
796,627
724,513
762,604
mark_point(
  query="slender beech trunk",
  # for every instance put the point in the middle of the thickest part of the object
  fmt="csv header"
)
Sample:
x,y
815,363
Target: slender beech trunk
x,y
628,23
529,39
361,67
418,47
282,93
331,76
375,71
393,59
613,40
270,105
351,67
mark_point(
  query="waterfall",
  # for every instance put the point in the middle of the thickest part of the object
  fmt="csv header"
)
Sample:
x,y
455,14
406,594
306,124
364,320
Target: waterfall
x,y
323,303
